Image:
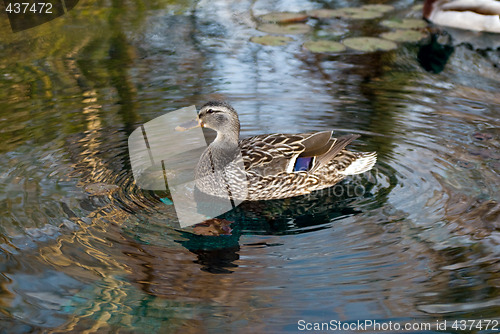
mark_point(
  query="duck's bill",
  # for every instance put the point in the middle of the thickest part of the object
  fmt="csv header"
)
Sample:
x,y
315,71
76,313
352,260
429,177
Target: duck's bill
x,y
194,123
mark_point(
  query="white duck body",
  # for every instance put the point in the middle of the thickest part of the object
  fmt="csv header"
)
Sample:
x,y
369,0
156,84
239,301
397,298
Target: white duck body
x,y
476,15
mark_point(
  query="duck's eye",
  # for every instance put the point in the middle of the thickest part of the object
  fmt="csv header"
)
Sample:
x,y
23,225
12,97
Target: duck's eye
x,y
210,111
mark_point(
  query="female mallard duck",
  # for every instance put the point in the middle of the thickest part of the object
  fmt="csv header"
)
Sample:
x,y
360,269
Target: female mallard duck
x,y
271,166
477,15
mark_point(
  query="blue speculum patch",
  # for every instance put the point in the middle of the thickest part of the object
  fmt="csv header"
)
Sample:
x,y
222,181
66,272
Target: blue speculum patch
x,y
303,164
167,201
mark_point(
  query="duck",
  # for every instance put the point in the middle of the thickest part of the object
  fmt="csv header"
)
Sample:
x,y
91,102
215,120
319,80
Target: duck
x,y
476,15
271,166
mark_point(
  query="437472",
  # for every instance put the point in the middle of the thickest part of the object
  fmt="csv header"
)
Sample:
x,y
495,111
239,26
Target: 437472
x,y
26,7
480,324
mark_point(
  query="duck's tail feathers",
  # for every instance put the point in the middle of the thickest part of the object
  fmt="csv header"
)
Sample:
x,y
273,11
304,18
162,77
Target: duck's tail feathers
x,y
362,164
337,145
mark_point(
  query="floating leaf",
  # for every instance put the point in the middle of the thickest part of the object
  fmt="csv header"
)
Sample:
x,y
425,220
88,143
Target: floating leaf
x,y
325,13
404,35
378,8
284,17
271,40
361,13
369,44
405,24
324,46
347,13
418,7
285,29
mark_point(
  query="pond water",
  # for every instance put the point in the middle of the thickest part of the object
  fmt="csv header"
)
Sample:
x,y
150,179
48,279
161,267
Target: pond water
x,y
82,248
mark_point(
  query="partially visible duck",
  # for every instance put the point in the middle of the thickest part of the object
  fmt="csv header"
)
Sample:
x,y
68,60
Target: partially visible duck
x,y
476,15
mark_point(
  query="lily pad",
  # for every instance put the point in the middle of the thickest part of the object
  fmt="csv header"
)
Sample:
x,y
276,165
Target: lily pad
x,y
418,7
271,40
325,13
404,35
324,46
405,24
361,13
346,13
285,29
378,8
369,44
284,17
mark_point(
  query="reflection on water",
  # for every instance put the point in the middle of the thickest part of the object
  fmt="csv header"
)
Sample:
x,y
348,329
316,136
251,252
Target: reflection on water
x,y
83,248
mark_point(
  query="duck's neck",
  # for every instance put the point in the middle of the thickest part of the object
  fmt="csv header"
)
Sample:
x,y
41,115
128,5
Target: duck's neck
x,y
223,149
226,144
229,140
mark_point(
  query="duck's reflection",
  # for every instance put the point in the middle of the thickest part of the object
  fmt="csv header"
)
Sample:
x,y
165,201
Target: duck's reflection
x,y
434,55
216,242
217,261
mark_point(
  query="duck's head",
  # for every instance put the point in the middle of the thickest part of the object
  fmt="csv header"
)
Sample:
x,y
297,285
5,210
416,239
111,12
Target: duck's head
x,y
221,117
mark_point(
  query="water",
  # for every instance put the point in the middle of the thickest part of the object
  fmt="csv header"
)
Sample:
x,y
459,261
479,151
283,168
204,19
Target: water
x,y
82,248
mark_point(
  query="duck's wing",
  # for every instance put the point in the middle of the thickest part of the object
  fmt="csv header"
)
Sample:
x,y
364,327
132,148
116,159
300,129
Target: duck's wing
x,y
336,145
483,7
281,150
